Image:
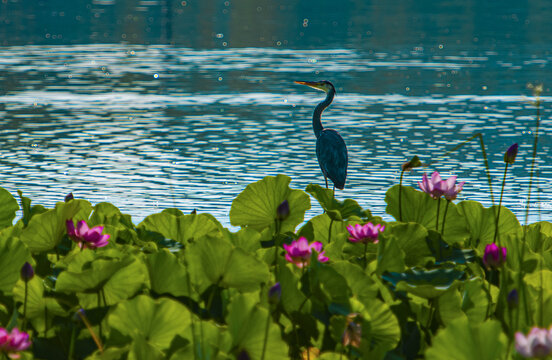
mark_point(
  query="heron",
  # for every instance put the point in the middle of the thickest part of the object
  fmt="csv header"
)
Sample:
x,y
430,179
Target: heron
x,y
330,146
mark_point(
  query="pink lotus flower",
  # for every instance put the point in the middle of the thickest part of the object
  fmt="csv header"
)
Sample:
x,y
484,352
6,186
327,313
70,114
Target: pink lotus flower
x,y
436,187
299,252
494,256
13,342
365,233
537,344
86,237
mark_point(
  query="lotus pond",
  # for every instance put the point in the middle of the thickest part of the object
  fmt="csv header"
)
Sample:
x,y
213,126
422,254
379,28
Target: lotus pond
x,y
454,283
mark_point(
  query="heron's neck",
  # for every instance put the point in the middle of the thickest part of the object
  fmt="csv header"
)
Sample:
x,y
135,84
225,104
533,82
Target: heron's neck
x,y
316,123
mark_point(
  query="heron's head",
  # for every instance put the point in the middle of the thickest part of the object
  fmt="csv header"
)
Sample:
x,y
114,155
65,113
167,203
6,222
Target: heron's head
x,y
323,85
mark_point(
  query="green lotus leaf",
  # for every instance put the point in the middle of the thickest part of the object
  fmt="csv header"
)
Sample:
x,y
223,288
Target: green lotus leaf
x,y
246,324
292,298
390,256
380,328
471,300
118,279
28,210
13,254
39,308
362,285
142,349
167,274
183,228
329,289
538,284
217,261
321,229
108,214
8,208
247,239
411,239
420,208
158,321
47,229
481,222
444,252
425,283
539,237
216,340
256,206
336,210
461,340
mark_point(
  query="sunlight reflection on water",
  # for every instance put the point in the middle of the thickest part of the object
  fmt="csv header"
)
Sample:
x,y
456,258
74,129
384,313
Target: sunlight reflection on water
x,y
96,121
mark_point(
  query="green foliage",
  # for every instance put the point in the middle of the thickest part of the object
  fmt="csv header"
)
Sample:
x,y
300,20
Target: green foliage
x,y
46,230
336,210
184,287
256,206
13,254
461,340
420,208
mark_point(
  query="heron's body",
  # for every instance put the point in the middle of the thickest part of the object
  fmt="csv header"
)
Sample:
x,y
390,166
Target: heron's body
x,y
330,146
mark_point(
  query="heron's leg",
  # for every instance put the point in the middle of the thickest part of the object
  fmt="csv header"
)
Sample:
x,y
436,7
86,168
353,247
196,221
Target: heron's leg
x,y
326,179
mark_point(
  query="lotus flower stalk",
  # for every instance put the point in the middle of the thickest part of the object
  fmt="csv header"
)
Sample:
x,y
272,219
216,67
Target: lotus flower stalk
x,y
509,158
27,273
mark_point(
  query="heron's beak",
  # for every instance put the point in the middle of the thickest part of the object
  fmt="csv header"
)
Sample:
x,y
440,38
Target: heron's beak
x,y
313,84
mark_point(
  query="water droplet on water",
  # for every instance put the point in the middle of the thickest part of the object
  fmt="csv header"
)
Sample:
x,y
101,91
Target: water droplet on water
x,y
156,75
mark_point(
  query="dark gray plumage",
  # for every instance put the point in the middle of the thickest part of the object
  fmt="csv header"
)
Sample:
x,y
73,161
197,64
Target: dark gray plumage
x,y
330,146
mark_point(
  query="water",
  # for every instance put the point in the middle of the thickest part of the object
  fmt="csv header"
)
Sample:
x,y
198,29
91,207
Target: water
x,y
177,117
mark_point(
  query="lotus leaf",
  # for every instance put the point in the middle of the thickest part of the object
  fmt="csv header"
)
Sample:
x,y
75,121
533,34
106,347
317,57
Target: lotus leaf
x,y
256,206
13,254
167,274
336,210
184,228
158,321
246,323
425,283
40,309
461,340
104,281
420,208
217,261
44,231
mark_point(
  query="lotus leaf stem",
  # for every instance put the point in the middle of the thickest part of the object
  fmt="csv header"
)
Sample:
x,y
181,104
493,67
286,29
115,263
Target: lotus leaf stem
x,y
444,218
499,205
24,327
330,231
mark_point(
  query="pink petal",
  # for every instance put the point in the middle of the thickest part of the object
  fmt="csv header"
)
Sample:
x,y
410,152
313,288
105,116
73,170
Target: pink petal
x,y
322,257
435,178
70,227
317,245
82,228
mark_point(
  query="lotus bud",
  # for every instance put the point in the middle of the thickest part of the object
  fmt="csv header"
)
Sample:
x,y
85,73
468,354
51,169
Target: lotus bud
x,y
413,163
274,294
494,256
282,212
27,272
69,197
513,299
511,154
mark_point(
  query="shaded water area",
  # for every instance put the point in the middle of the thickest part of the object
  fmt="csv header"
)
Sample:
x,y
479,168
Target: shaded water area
x,y
183,104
